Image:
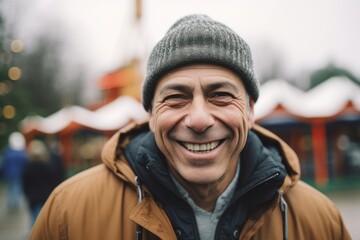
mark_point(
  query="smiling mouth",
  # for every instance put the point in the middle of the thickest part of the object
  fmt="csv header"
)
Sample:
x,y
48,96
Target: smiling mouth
x,y
203,147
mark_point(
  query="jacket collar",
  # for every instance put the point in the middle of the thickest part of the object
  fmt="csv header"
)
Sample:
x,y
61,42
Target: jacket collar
x,y
289,157
257,164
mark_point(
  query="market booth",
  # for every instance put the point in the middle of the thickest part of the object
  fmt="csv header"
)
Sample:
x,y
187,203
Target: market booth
x,y
322,125
80,132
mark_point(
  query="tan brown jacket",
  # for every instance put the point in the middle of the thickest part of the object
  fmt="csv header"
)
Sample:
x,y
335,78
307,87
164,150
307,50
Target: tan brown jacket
x,y
101,203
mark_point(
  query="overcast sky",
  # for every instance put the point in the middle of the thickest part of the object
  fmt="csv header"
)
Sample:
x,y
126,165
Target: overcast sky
x,y
99,35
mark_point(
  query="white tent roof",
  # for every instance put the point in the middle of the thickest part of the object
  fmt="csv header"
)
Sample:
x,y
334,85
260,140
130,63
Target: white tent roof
x,y
325,100
119,112
110,117
57,121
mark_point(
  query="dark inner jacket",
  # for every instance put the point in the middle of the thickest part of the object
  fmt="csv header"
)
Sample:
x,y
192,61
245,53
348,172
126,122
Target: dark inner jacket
x,y
261,174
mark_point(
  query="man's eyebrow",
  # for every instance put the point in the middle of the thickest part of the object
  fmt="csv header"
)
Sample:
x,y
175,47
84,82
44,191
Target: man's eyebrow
x,y
177,87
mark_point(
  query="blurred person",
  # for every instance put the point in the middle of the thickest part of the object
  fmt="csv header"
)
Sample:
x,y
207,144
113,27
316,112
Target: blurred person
x,y
14,161
38,177
200,168
57,161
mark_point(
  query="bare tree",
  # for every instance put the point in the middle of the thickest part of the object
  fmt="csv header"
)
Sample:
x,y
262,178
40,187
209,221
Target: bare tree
x,y
268,61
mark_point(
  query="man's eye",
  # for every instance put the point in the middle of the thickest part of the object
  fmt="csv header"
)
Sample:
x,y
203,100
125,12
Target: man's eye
x,y
174,97
222,95
175,100
221,98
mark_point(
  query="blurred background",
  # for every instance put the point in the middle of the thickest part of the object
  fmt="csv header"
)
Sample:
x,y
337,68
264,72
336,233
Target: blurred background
x,y
71,70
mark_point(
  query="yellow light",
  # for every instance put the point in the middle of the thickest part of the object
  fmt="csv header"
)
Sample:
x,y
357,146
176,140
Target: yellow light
x,y
9,112
17,46
14,73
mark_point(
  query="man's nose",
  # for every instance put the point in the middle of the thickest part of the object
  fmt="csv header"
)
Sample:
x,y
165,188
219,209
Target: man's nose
x,y
199,118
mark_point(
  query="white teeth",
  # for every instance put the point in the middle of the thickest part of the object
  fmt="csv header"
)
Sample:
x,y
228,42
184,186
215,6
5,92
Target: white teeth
x,y
201,147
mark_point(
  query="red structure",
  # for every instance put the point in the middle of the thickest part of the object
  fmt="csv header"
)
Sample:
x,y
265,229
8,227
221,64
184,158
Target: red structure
x,y
125,81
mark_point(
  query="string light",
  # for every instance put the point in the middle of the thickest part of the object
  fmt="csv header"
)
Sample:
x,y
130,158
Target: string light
x,y
17,46
14,73
9,112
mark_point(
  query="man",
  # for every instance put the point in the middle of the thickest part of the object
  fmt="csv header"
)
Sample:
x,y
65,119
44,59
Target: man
x,y
201,168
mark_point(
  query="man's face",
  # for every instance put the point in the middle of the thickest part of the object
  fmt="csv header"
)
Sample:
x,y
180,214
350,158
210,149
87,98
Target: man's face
x,y
200,117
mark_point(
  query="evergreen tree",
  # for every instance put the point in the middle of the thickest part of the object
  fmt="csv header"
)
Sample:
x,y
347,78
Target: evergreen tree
x,y
14,105
329,71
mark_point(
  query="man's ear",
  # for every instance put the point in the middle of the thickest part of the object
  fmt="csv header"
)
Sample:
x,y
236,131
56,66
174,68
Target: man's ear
x,y
251,116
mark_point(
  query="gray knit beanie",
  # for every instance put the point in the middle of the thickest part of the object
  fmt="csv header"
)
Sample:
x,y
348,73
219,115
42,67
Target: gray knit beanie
x,y
197,39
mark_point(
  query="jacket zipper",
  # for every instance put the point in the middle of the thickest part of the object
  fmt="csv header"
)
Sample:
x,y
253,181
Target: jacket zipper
x,y
139,229
264,181
269,178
